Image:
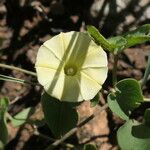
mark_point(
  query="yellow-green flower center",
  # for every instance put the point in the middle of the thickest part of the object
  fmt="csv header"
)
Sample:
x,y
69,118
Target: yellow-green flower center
x,y
70,70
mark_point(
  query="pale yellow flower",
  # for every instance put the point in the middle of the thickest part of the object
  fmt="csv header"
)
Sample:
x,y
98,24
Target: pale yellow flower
x,y
71,67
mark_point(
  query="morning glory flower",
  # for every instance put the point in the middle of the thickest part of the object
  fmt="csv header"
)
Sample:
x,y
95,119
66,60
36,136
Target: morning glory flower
x,y
71,67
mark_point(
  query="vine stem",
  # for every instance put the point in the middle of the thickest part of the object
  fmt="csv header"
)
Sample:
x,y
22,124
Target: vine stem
x,y
72,131
18,69
114,71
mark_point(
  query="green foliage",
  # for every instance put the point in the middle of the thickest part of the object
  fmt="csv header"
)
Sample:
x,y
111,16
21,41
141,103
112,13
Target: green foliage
x,y
95,100
99,39
134,136
4,102
60,116
127,97
89,147
22,117
118,43
138,36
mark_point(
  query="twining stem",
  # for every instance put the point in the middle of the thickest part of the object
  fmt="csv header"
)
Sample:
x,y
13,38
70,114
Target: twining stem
x,y
114,71
18,69
72,131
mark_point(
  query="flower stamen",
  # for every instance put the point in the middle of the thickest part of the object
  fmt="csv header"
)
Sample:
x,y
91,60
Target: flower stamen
x,y
70,70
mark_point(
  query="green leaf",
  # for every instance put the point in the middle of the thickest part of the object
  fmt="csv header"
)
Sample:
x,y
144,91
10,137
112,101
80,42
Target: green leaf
x,y
147,116
95,100
119,43
138,36
89,147
60,116
134,136
147,71
127,97
22,117
99,39
4,102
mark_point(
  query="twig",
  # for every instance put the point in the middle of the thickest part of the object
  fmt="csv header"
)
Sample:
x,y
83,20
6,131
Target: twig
x,y
94,138
15,100
72,131
18,69
36,132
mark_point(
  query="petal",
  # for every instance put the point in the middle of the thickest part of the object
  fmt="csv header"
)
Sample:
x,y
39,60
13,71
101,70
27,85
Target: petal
x,y
89,87
69,39
99,74
45,75
45,58
96,57
76,45
56,45
55,87
64,88
71,91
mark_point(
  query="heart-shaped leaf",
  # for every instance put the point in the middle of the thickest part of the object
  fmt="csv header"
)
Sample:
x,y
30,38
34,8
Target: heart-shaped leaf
x,y
60,116
134,136
127,97
119,43
138,36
